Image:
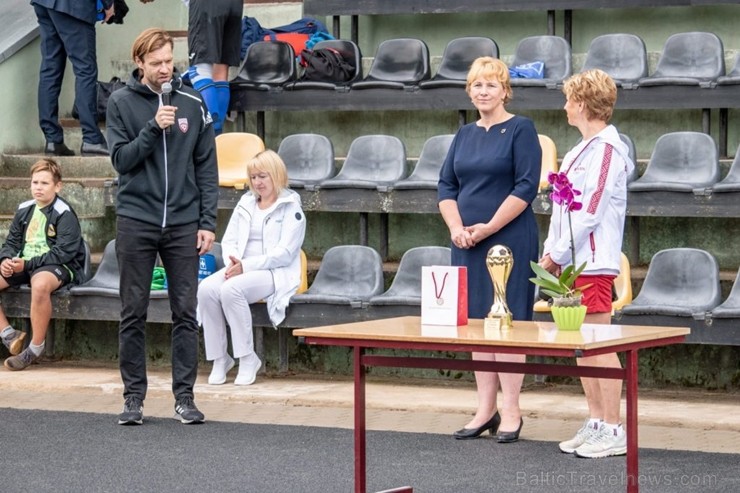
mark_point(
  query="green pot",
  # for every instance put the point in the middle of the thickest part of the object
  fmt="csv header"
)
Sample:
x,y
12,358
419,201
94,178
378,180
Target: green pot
x,y
568,317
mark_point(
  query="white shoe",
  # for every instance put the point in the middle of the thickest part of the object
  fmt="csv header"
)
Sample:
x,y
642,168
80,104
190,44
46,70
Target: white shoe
x,y
607,442
221,367
248,367
582,435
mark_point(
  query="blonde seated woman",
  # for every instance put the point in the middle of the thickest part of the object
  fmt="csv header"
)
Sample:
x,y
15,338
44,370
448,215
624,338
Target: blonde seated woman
x,y
261,249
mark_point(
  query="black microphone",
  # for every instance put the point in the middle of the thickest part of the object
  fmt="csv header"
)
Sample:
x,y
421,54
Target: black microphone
x,y
167,100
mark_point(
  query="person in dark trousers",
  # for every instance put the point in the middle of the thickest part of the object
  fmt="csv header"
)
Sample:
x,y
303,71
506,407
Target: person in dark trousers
x,y
165,155
44,248
67,30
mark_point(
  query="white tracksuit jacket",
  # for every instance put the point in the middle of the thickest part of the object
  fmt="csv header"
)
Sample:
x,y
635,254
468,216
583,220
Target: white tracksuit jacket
x,y
598,168
282,237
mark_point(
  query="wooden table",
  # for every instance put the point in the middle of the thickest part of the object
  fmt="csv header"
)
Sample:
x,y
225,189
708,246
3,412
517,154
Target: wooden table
x,y
528,338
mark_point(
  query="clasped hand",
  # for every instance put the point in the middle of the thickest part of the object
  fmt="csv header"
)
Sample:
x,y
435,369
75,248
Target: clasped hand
x,y
235,268
10,266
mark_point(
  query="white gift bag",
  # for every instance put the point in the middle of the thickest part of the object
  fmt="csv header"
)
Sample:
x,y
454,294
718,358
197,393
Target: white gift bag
x,y
444,295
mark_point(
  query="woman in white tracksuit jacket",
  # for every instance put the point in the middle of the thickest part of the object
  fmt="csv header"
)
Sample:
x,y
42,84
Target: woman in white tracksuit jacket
x,y
598,167
261,249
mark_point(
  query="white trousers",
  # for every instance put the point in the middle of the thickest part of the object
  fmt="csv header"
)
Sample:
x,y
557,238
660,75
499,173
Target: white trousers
x,y
222,302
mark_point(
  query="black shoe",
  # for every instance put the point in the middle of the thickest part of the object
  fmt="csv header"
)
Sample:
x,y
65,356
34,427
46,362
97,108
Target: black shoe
x,y
133,412
186,411
88,149
510,436
58,149
468,433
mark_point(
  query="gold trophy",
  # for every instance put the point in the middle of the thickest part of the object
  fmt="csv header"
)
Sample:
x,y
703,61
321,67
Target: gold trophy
x,y
499,262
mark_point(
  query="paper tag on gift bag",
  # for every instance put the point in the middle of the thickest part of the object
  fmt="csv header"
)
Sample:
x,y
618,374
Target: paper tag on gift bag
x,y
444,295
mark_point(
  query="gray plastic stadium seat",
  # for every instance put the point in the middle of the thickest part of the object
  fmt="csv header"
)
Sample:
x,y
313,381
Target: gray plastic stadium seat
x,y
730,308
309,159
622,56
633,155
681,162
373,161
351,54
267,66
732,77
406,286
426,172
553,51
107,279
681,282
457,58
400,63
731,182
689,59
348,275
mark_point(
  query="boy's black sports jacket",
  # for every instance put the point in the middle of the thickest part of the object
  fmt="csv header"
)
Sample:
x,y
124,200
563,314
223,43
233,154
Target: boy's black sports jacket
x,y
164,179
63,235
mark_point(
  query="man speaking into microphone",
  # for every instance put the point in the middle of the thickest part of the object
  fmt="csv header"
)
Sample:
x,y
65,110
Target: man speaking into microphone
x,y
162,145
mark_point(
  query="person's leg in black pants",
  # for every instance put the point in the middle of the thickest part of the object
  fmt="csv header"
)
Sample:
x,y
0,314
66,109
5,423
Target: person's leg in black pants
x,y
51,75
136,250
180,259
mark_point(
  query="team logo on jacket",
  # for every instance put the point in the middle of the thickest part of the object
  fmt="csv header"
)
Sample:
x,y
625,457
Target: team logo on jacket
x,y
183,124
51,231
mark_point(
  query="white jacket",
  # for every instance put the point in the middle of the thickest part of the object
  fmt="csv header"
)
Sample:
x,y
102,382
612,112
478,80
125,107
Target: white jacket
x,y
598,168
282,237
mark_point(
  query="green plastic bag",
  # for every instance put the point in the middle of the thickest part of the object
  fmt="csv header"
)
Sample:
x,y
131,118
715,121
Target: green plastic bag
x,y
159,279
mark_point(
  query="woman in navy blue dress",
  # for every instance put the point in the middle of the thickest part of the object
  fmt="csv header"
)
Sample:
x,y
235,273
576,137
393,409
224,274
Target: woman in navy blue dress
x,y
486,186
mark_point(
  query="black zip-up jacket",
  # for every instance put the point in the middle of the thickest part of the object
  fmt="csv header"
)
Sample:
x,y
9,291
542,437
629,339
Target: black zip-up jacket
x,y
164,180
63,235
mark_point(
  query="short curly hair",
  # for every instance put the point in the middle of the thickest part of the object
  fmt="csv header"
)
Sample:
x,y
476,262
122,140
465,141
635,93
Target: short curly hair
x,y
596,90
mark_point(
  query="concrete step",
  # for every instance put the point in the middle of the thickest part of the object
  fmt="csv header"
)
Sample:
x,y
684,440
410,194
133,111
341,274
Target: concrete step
x,y
85,194
18,166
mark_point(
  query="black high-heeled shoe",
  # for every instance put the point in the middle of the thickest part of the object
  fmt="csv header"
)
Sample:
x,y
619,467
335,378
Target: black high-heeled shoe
x,y
510,436
467,433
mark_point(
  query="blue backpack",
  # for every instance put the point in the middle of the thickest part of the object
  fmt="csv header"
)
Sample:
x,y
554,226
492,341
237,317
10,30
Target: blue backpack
x,y
251,31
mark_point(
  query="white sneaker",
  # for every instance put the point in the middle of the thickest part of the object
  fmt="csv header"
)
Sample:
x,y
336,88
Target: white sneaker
x,y
248,367
221,367
582,435
607,442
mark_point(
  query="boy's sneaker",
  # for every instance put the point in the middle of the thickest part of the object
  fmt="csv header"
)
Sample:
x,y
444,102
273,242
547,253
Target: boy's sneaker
x,y
607,442
586,431
133,412
21,361
186,411
14,341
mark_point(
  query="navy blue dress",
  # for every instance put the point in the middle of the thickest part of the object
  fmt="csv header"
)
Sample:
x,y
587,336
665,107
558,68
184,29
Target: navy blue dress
x,y
481,170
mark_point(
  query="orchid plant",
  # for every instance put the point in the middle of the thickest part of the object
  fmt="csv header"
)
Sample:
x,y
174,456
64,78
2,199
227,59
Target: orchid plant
x,y
561,286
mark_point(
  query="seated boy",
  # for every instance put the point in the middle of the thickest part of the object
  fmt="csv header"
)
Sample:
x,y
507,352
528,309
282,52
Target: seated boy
x,y
44,248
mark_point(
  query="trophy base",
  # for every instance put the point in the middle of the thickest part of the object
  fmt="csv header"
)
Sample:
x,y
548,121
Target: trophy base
x,y
497,323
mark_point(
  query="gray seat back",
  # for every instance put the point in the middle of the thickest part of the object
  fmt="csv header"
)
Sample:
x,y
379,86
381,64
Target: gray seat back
x,y
406,286
372,160
398,62
268,63
426,172
553,51
107,278
732,77
309,159
457,58
681,162
692,58
348,273
622,56
730,308
731,182
679,281
633,155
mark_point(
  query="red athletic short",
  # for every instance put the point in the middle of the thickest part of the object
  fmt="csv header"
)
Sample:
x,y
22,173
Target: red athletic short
x,y
597,297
